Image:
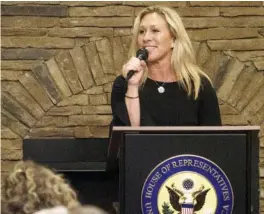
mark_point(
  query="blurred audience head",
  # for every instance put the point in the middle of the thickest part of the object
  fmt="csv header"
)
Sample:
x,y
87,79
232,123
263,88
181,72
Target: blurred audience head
x,y
31,187
87,209
55,210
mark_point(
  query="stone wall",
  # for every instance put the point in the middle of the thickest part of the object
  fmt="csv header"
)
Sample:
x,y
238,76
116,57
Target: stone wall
x,y
59,60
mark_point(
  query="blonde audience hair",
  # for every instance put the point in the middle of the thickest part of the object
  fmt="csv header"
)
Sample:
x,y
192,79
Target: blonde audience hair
x,y
31,187
183,58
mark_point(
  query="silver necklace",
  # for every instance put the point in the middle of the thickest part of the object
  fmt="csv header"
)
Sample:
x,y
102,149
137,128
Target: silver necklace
x,y
161,88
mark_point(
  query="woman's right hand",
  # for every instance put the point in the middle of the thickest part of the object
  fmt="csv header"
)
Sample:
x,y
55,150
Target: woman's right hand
x,y
136,65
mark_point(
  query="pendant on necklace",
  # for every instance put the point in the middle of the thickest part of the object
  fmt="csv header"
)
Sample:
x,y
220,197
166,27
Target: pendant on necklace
x,y
161,89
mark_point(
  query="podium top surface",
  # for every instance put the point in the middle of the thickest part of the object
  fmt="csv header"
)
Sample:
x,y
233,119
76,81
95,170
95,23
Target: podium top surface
x,y
117,135
185,128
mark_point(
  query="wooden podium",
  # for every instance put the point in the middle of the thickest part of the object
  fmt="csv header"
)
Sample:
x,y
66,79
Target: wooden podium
x,y
160,166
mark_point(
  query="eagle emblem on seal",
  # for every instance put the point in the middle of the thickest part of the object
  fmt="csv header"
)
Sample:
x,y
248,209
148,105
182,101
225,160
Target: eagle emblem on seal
x,y
187,201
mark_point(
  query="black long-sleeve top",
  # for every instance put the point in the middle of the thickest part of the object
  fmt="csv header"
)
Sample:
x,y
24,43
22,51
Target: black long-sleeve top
x,y
172,108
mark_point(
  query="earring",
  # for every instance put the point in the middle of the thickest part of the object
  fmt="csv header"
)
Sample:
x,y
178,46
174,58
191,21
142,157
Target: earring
x,y
173,44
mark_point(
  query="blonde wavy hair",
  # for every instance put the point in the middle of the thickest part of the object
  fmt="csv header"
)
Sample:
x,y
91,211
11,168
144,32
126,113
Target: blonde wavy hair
x,y
183,58
31,187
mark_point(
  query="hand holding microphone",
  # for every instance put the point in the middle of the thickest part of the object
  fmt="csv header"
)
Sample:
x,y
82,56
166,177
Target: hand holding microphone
x,y
135,66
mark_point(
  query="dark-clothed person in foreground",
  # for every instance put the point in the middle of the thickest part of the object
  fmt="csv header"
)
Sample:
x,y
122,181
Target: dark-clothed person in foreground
x,y
169,89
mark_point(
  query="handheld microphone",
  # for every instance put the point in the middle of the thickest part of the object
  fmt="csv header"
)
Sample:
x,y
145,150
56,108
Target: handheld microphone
x,y
141,54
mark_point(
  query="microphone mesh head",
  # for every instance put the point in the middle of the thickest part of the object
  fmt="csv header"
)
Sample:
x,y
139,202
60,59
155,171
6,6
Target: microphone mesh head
x,y
142,54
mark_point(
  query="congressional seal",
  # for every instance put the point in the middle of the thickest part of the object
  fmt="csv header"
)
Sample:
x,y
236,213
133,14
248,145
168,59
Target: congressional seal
x,y
187,184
